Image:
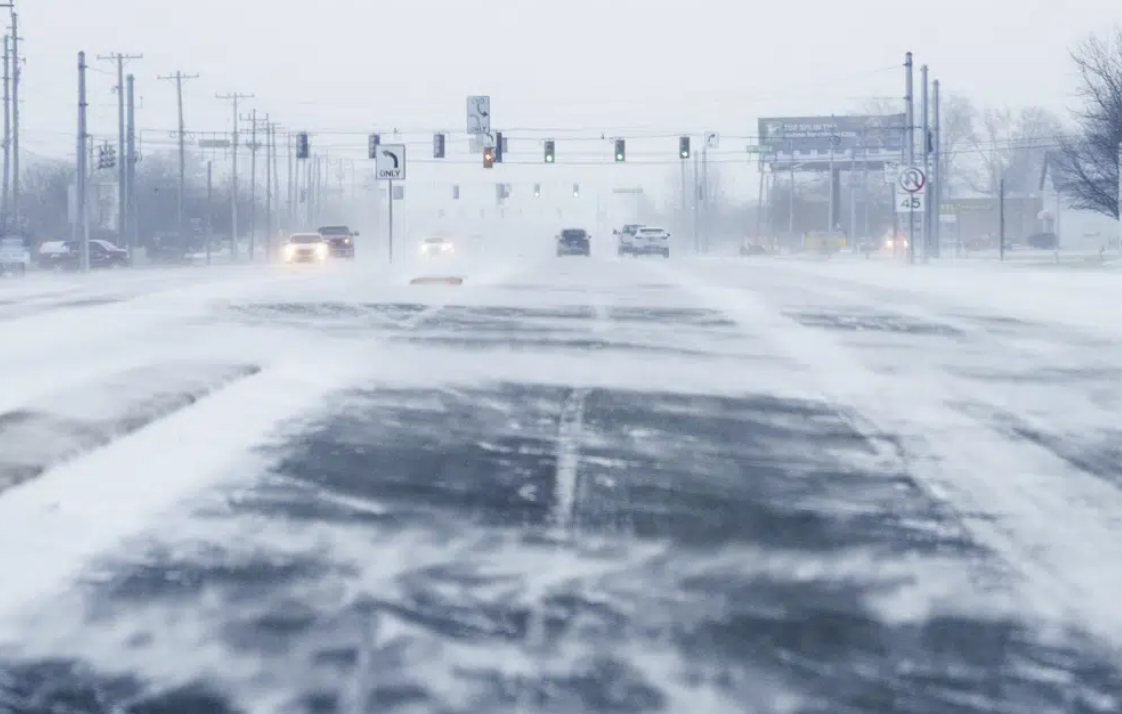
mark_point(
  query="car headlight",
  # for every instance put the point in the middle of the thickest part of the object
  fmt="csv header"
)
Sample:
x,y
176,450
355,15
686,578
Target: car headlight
x,y
289,250
321,250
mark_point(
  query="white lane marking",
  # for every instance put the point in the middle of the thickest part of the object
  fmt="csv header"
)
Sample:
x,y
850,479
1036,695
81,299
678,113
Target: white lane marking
x,y
570,430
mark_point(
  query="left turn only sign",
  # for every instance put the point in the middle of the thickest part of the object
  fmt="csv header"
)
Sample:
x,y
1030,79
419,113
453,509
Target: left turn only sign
x,y
389,164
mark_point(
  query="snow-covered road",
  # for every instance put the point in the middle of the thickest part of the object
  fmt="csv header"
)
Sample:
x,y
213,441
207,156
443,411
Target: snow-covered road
x,y
565,486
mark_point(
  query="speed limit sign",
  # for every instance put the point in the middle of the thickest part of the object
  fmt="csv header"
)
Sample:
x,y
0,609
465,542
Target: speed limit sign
x,y
910,202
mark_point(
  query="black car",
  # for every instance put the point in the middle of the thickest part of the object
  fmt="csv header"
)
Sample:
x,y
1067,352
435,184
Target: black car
x,y
66,255
340,241
574,241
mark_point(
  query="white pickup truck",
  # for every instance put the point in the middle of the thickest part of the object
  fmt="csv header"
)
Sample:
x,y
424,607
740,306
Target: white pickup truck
x,y
15,257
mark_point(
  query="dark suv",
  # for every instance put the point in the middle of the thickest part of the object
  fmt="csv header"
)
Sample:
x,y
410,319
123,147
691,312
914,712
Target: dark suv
x,y
340,240
574,241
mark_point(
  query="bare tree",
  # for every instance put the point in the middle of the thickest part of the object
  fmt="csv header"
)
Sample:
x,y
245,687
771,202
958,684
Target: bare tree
x,y
1011,146
1085,168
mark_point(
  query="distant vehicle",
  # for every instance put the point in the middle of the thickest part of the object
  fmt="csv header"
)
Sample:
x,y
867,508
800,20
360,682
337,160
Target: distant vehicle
x,y
67,255
574,241
753,246
15,257
340,241
627,231
645,240
434,247
305,248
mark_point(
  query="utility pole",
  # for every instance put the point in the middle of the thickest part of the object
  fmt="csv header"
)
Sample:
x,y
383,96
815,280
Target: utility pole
x,y
209,211
1001,218
132,230
936,190
760,201
703,194
831,187
234,97
5,202
179,78
685,192
122,191
81,215
852,238
276,176
17,72
791,195
909,144
268,190
924,134
291,207
252,119
696,203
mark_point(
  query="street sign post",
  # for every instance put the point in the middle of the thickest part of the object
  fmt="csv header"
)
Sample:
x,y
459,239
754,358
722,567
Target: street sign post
x,y
390,162
479,115
910,197
389,165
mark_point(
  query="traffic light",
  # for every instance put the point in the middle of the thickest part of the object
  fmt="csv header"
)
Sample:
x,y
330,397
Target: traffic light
x,y
438,146
549,155
684,147
372,146
106,156
303,147
499,147
576,190
488,156
537,190
621,150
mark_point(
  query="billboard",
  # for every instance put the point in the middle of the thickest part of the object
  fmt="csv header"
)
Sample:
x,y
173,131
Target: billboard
x,y
880,133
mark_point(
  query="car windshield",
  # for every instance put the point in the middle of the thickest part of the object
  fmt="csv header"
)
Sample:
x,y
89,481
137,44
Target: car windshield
x,y
573,234
306,238
436,241
335,231
12,243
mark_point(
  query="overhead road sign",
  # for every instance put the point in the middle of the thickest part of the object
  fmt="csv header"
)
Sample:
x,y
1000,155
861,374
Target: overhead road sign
x,y
390,162
479,115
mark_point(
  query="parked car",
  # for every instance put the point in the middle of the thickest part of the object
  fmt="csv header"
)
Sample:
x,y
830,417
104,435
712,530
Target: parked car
x,y
15,257
66,255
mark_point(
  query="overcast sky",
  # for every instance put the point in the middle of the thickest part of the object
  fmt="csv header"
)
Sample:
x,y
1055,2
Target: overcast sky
x,y
341,68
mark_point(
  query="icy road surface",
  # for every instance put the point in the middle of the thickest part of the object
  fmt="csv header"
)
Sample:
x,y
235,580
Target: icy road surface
x,y
565,486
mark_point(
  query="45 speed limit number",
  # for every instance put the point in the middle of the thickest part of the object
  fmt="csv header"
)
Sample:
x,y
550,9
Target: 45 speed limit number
x,y
910,202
